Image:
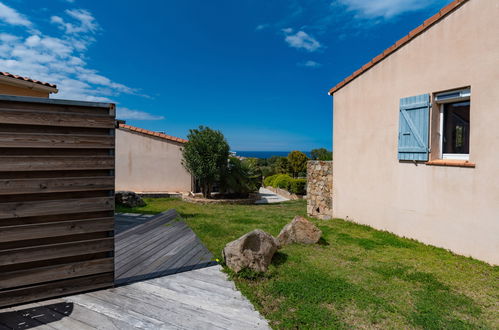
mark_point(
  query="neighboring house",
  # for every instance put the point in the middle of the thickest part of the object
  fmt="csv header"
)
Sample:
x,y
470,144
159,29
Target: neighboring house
x,y
149,162
416,134
21,86
146,161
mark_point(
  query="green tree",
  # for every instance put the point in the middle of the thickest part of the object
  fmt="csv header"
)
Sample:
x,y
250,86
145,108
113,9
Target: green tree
x,y
321,154
240,177
297,162
281,165
205,156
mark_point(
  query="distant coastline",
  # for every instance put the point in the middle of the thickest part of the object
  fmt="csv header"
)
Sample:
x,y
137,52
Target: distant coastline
x,y
265,154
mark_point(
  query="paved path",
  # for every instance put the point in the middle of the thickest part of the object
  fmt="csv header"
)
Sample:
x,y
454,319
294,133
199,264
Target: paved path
x,y
155,246
269,197
197,299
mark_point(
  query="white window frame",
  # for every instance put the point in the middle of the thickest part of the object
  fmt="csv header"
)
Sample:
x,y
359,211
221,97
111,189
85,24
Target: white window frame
x,y
464,95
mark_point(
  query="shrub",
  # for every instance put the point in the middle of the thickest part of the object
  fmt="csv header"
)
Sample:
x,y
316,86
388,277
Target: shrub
x,y
282,181
269,181
298,186
239,178
321,154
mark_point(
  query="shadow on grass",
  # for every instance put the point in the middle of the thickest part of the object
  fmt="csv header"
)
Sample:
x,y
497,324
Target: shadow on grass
x,y
322,241
279,258
188,215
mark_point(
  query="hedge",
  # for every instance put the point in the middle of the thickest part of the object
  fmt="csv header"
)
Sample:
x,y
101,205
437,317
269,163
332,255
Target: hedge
x,y
284,181
269,181
298,186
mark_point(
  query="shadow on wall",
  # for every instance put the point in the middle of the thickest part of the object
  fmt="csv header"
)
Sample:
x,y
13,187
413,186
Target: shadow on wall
x,y
36,316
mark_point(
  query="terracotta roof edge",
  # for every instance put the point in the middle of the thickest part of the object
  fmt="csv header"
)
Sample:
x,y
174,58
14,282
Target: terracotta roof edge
x,y
26,79
152,133
400,43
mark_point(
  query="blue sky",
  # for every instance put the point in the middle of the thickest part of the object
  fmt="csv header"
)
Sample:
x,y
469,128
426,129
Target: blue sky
x,y
257,70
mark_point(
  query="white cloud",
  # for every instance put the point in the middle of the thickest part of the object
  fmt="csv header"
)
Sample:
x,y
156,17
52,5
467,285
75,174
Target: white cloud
x,y
11,16
310,64
301,39
125,113
384,8
85,22
59,59
261,27
5,37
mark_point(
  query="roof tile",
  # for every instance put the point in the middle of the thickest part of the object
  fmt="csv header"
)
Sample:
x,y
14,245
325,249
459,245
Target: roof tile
x,y
432,19
377,58
367,66
152,133
416,31
447,9
402,41
6,74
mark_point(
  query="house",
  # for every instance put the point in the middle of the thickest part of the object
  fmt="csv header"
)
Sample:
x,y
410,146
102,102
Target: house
x,y
416,135
149,162
146,161
21,86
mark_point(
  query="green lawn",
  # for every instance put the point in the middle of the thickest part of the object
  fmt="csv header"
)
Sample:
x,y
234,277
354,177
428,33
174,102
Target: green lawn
x,y
357,277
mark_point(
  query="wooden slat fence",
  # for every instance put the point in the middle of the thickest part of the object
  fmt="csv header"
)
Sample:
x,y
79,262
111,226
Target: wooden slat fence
x,y
56,198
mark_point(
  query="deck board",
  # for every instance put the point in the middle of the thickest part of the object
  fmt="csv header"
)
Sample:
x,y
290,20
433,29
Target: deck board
x,y
152,246
197,299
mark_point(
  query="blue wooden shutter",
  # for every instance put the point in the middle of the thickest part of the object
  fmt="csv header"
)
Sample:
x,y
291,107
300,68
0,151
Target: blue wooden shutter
x,y
414,128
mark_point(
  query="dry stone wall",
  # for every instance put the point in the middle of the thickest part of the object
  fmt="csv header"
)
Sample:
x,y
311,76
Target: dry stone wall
x,y
320,189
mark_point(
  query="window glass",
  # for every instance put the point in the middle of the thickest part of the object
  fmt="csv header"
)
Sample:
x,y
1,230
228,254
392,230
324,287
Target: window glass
x,y
456,135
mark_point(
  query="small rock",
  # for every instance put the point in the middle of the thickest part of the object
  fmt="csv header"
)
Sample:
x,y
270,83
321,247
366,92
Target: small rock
x,y
128,199
253,250
300,230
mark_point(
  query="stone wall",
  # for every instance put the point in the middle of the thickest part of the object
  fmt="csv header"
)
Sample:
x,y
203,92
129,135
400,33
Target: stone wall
x,y
320,189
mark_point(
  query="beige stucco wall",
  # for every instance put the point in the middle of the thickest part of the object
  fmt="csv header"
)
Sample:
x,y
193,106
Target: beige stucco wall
x,y
451,207
149,164
20,91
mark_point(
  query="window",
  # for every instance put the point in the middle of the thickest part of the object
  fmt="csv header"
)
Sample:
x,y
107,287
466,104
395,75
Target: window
x,y
454,124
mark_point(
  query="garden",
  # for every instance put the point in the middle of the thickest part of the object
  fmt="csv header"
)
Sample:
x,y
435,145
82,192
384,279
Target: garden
x,y
207,157
356,277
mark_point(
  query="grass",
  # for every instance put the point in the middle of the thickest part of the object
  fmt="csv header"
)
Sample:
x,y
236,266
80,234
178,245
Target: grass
x,y
357,277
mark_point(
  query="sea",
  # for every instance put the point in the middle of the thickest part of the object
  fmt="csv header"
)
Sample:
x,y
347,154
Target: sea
x,y
265,154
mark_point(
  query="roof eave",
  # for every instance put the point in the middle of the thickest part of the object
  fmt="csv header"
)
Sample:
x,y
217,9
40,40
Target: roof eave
x,y
400,43
28,84
149,133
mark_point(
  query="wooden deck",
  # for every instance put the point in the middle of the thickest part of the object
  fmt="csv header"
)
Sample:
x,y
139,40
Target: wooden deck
x,y
197,299
152,246
196,295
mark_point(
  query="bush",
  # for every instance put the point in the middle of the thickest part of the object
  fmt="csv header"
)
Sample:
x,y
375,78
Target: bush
x,y
239,178
269,181
282,181
298,186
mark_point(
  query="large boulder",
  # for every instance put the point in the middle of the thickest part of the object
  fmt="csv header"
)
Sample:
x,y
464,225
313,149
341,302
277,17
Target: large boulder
x,y
253,250
128,199
300,230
